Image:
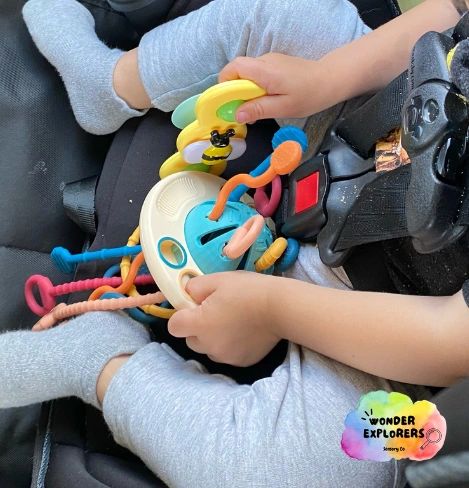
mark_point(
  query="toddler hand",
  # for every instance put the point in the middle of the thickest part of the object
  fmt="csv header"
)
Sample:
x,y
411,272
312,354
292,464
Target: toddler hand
x,y
295,87
234,320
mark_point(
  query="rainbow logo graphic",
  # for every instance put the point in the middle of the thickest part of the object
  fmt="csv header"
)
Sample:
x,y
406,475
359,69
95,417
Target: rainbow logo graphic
x,y
390,426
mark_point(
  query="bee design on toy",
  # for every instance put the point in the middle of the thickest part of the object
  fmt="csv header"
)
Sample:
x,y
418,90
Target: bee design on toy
x,y
199,117
220,148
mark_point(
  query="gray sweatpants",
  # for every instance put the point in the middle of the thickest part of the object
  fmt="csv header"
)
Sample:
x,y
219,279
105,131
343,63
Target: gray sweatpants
x,y
199,430
183,57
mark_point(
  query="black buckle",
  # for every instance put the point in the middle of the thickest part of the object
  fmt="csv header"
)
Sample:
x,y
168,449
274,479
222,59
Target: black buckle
x,y
303,207
435,120
320,195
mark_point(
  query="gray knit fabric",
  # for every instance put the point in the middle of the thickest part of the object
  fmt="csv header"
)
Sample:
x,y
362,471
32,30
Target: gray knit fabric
x,y
63,31
205,431
183,57
66,360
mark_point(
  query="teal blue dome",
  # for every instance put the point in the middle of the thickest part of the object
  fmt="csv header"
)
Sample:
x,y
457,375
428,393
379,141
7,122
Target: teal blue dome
x,y
206,238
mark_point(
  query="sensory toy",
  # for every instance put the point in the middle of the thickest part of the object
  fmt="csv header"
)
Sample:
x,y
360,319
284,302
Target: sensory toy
x,y
192,222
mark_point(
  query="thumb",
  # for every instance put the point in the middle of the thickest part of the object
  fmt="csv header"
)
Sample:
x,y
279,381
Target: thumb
x,y
267,107
201,287
184,323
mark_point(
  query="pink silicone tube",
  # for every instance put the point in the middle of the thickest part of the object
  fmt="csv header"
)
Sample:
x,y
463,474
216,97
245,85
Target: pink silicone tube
x,y
62,311
47,291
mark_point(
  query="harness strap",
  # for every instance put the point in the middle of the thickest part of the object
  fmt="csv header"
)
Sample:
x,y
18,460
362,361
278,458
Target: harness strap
x,y
376,118
79,203
379,213
364,206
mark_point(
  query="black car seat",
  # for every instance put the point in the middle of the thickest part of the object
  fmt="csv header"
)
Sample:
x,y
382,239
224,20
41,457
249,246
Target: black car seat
x,y
43,150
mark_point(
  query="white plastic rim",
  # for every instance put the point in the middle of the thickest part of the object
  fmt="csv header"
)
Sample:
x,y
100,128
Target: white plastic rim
x,y
162,221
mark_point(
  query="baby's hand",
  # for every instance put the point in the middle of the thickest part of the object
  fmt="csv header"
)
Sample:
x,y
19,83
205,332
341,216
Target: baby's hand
x,y
295,87
235,320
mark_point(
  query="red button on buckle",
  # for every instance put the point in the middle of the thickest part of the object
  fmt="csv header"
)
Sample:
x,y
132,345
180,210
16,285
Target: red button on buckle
x,y
307,192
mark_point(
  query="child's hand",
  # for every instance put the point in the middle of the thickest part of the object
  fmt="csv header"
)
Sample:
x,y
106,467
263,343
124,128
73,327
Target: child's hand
x,y
295,87
235,320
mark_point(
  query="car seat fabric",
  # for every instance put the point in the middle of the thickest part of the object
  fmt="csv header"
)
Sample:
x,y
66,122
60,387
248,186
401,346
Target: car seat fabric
x,y
42,149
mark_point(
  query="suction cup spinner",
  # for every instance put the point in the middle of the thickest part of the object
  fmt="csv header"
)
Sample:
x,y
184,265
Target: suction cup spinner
x,y
168,245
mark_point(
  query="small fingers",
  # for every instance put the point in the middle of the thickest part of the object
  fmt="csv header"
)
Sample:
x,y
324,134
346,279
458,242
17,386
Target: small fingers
x,y
194,344
267,107
201,287
245,68
183,323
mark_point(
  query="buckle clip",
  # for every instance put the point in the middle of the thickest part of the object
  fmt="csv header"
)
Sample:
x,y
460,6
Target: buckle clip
x,y
321,193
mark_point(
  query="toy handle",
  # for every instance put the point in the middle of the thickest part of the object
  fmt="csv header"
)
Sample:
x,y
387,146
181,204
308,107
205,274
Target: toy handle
x,y
45,289
267,206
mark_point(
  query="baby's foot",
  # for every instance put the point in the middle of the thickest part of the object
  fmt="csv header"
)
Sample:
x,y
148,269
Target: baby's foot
x,y
66,360
63,31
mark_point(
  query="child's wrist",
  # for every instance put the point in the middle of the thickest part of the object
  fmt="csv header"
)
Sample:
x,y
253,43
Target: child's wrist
x,y
328,82
280,307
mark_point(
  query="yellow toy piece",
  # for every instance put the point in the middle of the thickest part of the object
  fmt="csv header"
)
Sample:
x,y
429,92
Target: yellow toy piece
x,y
214,111
272,255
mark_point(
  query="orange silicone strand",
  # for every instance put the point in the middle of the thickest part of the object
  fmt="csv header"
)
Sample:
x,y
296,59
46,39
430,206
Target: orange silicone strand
x,y
63,311
284,160
154,310
126,283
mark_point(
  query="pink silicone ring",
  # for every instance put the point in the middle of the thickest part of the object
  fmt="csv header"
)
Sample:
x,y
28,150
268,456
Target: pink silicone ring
x,y
46,292
244,237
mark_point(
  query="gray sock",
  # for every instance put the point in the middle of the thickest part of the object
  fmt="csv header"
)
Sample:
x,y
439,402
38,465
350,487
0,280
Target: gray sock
x,y
66,360
63,31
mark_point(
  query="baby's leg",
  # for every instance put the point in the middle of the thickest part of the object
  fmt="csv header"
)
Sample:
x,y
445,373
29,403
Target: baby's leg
x,y
180,58
183,57
64,361
200,430
191,428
